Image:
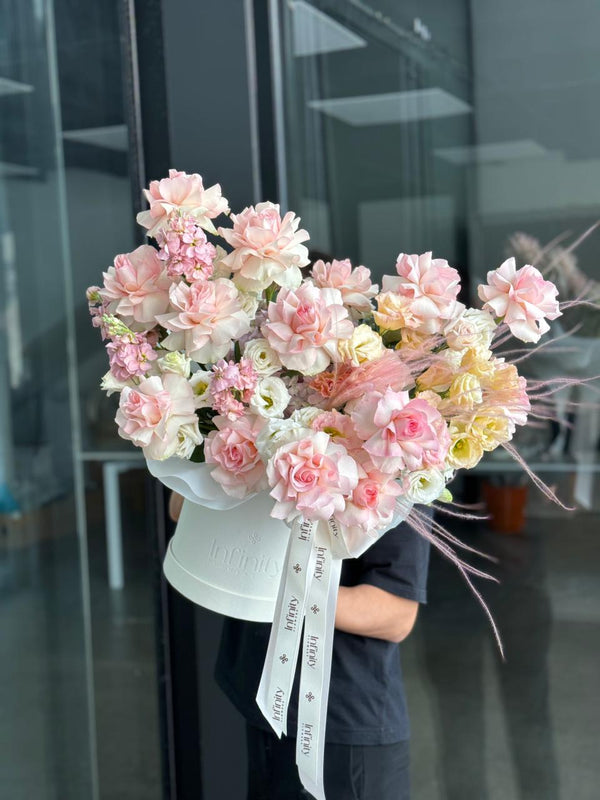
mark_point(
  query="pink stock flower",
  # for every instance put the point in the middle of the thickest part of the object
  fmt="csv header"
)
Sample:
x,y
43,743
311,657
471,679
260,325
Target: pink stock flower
x,y
431,285
311,478
184,193
305,325
354,284
232,386
151,414
137,287
130,357
267,249
208,316
373,502
522,298
185,249
232,449
400,433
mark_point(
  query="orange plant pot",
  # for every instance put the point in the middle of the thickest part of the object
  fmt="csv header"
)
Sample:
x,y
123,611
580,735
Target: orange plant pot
x,y
506,506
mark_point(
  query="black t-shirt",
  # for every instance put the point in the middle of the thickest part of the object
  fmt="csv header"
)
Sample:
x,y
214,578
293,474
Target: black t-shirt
x,y
367,705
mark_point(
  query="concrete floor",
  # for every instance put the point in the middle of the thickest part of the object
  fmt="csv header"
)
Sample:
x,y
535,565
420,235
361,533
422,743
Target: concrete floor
x,y
482,729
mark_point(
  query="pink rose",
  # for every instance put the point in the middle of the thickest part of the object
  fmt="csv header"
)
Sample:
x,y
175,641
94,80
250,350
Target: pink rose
x,y
267,249
311,478
354,284
208,316
522,298
137,287
151,414
232,449
431,285
372,504
186,194
304,326
400,433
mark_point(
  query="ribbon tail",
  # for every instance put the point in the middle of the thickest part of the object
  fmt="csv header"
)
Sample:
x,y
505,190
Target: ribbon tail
x,y
319,626
277,677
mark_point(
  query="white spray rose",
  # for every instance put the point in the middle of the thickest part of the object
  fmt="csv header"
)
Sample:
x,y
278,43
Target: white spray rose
x,y
306,416
425,485
200,382
264,359
249,302
278,432
474,328
188,437
176,362
270,398
365,344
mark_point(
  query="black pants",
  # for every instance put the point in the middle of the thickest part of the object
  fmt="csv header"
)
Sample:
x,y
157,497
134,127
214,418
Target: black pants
x,y
352,772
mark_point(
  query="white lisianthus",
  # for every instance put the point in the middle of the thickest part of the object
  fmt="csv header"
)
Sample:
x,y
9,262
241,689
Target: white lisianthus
x,y
110,384
176,362
425,485
365,344
249,302
220,270
264,359
270,398
188,437
200,382
278,432
473,328
305,416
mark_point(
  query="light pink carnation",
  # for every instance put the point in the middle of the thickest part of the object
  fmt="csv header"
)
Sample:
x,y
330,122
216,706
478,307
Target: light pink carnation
x,y
354,284
137,287
184,193
185,250
373,503
431,285
522,298
340,427
232,449
400,433
151,414
305,325
208,316
267,249
311,478
130,356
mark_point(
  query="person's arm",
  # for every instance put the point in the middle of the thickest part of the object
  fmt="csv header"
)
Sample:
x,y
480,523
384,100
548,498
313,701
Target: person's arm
x,y
175,504
369,611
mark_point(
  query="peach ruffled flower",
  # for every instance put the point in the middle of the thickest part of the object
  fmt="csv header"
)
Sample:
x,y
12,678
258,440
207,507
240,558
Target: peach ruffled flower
x,y
373,502
311,478
267,248
522,298
186,194
151,414
207,318
232,450
431,285
137,287
354,284
305,325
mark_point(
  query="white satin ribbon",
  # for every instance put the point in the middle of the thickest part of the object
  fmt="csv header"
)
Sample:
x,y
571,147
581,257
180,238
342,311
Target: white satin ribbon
x,y
307,593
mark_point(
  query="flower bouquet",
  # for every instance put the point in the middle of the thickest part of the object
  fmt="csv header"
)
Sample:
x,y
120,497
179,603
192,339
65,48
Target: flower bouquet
x,y
333,405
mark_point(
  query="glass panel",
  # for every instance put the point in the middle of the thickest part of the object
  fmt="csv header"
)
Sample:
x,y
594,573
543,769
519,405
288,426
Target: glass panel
x,y
78,683
473,129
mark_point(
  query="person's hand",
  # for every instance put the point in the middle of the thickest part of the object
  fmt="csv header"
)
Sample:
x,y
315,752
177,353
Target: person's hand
x,y
175,504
